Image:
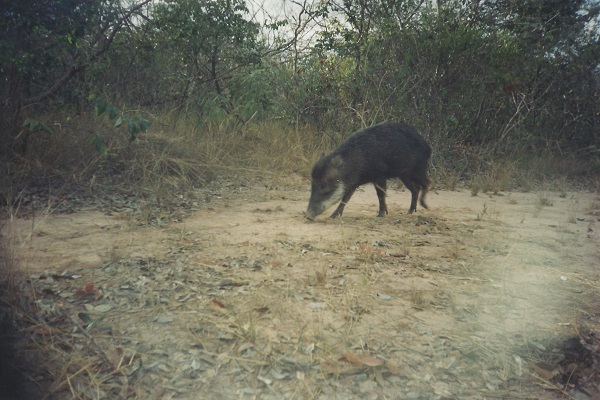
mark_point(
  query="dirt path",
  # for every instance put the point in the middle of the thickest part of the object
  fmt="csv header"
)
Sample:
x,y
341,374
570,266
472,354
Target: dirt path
x,y
476,297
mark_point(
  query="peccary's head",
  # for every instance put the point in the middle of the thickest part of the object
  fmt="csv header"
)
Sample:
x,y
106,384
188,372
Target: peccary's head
x,y
327,185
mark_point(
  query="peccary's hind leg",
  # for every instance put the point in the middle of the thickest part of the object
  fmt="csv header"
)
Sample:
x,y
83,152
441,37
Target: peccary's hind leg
x,y
381,189
414,192
422,198
424,186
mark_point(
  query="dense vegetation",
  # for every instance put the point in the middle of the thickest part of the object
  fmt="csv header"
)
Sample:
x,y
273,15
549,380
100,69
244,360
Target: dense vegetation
x,y
482,79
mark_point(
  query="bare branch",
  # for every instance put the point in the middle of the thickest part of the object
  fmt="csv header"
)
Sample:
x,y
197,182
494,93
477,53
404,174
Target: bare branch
x,y
76,67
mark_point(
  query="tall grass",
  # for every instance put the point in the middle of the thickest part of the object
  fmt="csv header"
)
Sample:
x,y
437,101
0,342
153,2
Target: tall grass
x,y
172,157
179,154
18,361
265,149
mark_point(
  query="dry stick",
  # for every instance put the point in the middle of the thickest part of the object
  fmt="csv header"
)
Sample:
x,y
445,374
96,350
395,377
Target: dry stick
x,y
67,380
98,347
45,213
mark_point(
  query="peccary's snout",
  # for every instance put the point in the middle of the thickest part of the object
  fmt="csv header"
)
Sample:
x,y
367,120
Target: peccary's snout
x,y
323,195
314,209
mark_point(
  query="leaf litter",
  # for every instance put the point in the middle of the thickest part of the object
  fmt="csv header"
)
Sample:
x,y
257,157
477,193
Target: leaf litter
x,y
221,303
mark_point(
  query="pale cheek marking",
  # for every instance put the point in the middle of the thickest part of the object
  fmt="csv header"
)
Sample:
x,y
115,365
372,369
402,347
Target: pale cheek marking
x,y
336,196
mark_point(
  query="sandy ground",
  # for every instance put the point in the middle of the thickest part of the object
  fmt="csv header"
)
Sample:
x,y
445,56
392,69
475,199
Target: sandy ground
x,y
477,297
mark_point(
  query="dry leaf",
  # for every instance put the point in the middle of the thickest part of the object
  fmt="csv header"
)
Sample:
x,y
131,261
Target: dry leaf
x,y
365,248
115,356
330,367
351,358
217,303
394,369
355,359
372,361
542,372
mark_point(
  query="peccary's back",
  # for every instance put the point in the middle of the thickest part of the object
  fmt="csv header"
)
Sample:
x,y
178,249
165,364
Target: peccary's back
x,y
390,149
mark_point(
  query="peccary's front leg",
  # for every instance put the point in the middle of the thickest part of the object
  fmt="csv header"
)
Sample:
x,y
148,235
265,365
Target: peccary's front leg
x,y
340,209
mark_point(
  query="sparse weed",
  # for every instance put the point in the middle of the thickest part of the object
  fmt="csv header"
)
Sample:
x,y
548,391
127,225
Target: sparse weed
x,y
455,250
537,209
541,202
368,253
321,276
115,253
475,186
497,177
493,212
482,213
370,274
562,187
525,180
418,298
572,210
245,328
404,249
535,169
594,208
449,179
545,202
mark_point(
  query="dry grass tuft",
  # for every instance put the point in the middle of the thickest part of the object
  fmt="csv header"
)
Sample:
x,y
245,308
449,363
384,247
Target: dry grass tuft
x,y
456,250
418,299
542,201
171,155
21,366
573,210
481,214
495,178
445,178
54,353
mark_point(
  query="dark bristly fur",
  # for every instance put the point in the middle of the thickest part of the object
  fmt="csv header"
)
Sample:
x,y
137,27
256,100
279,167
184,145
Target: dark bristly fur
x,y
372,155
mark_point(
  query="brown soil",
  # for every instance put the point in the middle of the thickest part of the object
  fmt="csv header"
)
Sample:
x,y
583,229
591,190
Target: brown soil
x,y
477,297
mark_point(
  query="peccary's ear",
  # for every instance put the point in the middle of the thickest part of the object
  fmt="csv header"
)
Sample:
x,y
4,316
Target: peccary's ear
x,y
336,162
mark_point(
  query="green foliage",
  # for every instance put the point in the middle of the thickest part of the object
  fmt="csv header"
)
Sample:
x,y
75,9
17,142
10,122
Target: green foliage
x,y
490,75
35,33
45,46
34,125
99,145
100,106
207,45
498,76
135,124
